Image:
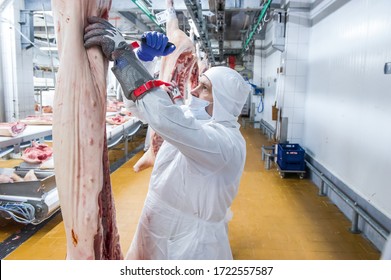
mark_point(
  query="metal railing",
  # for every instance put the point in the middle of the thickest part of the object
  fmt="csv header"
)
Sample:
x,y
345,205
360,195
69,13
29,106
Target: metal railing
x,y
358,211
267,129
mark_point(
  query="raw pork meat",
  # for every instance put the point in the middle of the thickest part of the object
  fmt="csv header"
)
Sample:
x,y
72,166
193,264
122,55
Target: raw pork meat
x,y
39,119
117,119
45,109
202,61
37,153
148,158
11,129
30,176
179,66
79,136
5,179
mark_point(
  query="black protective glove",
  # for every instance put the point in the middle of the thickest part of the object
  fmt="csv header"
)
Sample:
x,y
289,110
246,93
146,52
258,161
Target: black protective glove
x,y
101,33
128,70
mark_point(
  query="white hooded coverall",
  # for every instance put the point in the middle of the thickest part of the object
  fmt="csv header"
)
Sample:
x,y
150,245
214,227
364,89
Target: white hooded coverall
x,y
196,174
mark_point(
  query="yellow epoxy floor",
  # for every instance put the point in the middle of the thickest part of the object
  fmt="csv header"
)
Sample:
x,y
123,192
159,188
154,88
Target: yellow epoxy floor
x,y
273,218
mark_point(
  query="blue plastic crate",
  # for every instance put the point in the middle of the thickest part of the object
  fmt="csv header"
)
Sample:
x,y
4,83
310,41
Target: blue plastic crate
x,y
290,157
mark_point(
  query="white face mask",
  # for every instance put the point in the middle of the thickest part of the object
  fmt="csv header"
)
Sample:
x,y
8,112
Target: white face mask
x,y
197,107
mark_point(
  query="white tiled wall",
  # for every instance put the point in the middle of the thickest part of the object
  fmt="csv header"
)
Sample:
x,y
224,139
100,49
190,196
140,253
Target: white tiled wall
x,y
288,88
334,92
347,109
266,62
295,64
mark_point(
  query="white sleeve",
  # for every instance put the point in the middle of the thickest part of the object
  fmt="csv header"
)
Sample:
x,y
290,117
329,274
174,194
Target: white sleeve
x,y
199,142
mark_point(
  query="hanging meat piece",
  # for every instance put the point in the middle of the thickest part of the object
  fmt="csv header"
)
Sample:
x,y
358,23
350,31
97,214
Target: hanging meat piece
x,y
148,158
79,137
202,61
178,65
181,67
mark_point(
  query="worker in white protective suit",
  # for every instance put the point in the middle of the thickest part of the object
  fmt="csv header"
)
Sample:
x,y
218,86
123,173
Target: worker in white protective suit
x,y
153,142
198,168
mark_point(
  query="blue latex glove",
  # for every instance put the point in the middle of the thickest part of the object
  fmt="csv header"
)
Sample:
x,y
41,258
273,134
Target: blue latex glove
x,y
154,44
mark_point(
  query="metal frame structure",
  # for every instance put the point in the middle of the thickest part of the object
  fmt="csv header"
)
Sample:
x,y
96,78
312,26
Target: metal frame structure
x,y
256,26
358,211
195,10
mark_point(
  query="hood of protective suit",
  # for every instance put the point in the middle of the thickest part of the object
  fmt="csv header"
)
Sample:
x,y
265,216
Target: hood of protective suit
x,y
230,92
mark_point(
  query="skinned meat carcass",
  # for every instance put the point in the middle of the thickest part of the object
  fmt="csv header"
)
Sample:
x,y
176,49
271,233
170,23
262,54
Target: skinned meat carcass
x,y
148,158
202,61
79,136
180,67
199,68
37,153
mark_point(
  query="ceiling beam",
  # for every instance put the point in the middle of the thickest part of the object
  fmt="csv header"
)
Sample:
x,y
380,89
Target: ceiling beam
x,y
38,5
255,28
195,11
220,26
134,20
144,8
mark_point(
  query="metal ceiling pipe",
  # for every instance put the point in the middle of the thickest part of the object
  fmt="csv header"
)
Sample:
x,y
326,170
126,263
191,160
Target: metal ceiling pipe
x,y
141,5
195,11
220,26
134,20
261,16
